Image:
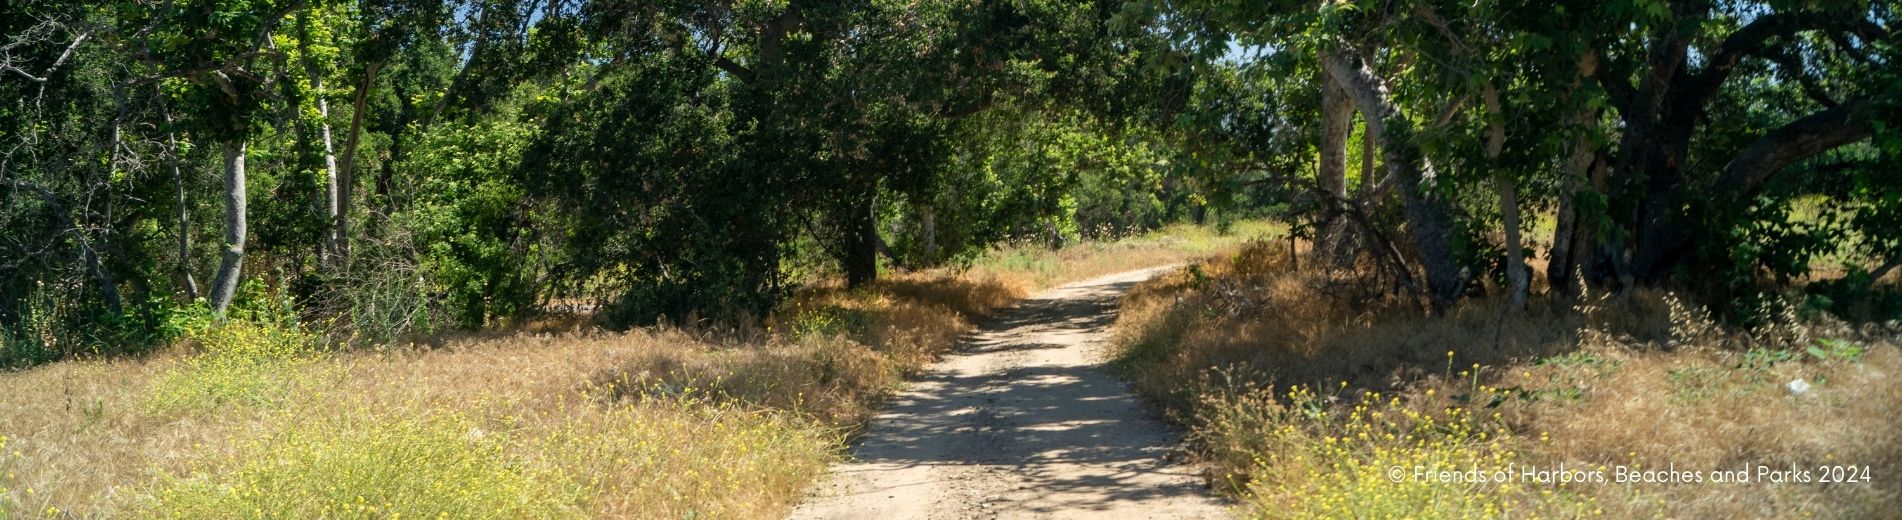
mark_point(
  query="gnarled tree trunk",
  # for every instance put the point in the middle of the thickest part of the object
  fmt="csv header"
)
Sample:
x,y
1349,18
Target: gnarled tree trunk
x,y
1428,219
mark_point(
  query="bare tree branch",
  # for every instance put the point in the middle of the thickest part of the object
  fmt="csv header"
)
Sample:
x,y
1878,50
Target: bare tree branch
x,y
6,62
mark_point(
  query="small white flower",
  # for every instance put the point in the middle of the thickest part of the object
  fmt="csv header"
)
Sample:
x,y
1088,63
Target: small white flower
x,y
1798,386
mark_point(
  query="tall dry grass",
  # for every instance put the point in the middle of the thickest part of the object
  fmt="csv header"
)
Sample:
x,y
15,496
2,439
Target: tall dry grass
x,y
1302,386
550,419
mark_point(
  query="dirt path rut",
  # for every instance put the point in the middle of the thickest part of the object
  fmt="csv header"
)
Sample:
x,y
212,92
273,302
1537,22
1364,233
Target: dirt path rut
x,y
1020,422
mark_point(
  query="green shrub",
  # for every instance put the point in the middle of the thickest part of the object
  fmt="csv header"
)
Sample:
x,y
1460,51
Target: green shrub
x,y
50,323
239,362
383,296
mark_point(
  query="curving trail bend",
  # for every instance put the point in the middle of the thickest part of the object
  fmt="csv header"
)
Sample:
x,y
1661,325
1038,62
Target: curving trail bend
x,y
1021,422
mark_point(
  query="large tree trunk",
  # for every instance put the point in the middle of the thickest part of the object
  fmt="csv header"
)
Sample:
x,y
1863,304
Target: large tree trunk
x,y
861,242
1656,160
226,284
1660,116
1337,117
1428,219
1651,195
1653,171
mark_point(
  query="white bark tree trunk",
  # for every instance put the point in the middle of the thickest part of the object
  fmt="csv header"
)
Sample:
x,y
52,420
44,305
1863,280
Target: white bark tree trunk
x,y
1337,120
1516,274
225,285
333,208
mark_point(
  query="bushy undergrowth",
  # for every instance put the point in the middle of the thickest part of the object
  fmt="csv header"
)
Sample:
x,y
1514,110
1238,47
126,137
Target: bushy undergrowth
x,y
50,323
1303,389
238,362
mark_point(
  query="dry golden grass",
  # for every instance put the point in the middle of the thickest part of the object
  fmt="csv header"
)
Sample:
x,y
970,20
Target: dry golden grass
x,y
546,419
82,440
1301,383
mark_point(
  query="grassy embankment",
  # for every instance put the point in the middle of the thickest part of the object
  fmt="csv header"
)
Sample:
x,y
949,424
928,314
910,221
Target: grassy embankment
x,y
257,418
1303,389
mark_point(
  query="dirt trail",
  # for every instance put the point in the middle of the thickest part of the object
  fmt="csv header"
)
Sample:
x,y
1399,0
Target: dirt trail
x,y
1020,422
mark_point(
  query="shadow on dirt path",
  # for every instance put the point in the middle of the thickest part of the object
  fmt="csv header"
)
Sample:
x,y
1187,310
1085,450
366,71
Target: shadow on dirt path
x,y
1020,422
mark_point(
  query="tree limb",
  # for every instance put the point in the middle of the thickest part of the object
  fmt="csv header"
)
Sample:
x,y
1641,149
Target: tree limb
x,y
1604,71
1798,140
739,72
48,74
1754,39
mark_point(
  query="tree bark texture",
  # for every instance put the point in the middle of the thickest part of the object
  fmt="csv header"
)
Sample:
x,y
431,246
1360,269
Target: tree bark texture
x,y
225,285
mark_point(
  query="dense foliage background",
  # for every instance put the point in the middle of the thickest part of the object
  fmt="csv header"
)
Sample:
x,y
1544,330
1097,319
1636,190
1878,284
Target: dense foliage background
x,y
398,166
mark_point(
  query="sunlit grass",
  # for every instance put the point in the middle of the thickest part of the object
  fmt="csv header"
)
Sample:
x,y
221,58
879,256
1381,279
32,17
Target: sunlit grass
x,y
238,363
1320,454
662,456
1032,263
359,464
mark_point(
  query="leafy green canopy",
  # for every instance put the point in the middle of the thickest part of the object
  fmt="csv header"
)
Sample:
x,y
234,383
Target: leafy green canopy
x,y
1676,141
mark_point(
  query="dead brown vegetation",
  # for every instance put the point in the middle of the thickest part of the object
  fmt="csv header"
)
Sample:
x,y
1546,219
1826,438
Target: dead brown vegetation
x,y
1598,381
